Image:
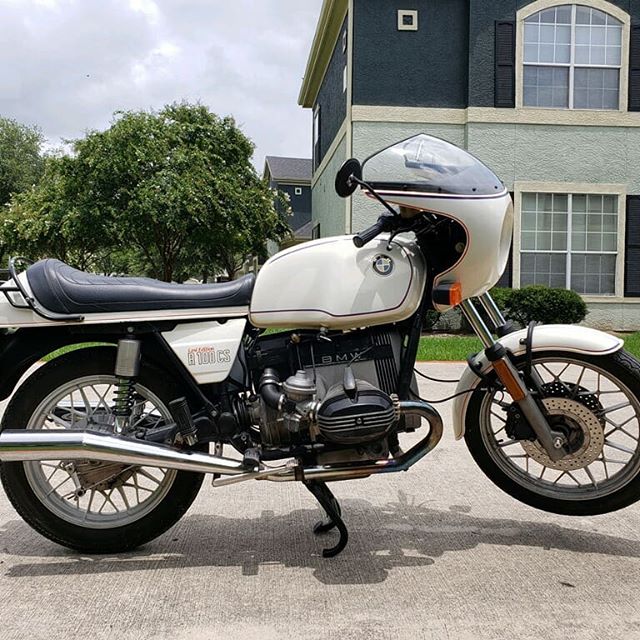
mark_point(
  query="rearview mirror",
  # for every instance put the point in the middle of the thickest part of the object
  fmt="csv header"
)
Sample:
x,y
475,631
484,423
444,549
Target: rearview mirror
x,y
345,186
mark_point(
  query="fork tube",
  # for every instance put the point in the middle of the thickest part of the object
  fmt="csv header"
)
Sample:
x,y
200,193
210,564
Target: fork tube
x,y
477,323
494,313
552,441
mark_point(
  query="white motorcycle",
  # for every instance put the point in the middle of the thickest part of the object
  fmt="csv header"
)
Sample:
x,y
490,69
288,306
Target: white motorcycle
x,y
105,447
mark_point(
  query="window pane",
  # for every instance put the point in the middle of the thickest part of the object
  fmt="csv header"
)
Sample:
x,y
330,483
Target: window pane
x,y
528,241
528,221
546,87
583,15
594,274
543,268
579,203
596,88
563,14
614,35
529,202
610,204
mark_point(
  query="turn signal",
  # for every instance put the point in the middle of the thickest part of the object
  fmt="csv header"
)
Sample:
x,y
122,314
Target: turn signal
x,y
448,294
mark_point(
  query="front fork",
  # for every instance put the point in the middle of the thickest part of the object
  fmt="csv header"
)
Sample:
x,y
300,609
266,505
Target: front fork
x,y
553,441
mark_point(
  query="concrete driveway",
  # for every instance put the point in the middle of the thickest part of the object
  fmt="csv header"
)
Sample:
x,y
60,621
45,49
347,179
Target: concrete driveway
x,y
438,552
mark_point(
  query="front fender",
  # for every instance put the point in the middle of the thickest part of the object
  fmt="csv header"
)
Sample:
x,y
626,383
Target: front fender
x,y
550,337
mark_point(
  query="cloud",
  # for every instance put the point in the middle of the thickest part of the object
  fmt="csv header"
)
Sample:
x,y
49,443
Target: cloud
x,y
67,65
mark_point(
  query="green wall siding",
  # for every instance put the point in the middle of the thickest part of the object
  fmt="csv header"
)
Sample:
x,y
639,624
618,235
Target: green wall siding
x,y
559,153
328,209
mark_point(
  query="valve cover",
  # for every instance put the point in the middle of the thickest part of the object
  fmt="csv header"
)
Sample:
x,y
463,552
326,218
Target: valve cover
x,y
363,416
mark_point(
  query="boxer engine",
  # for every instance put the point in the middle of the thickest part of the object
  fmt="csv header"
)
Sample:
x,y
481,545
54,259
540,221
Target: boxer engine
x,y
337,390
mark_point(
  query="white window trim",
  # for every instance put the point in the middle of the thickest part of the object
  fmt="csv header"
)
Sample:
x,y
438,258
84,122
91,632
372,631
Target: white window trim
x,y
576,188
411,13
602,5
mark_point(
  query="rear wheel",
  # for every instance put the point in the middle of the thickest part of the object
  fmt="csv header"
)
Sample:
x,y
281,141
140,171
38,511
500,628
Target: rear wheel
x,y
595,402
93,507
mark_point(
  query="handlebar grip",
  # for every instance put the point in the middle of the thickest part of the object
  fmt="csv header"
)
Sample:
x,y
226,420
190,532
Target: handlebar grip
x,y
362,238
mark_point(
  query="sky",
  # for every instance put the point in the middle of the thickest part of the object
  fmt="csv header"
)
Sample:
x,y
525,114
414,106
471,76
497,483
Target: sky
x,y
67,65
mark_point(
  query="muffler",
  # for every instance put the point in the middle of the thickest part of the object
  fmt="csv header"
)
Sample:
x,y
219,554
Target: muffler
x,y
34,445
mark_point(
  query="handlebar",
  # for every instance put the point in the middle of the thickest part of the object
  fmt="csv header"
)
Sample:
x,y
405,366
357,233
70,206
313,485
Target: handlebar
x,y
384,223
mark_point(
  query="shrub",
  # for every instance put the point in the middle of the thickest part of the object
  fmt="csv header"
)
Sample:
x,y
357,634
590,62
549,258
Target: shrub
x,y
546,305
501,296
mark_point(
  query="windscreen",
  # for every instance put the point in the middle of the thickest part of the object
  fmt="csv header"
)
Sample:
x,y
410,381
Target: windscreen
x,y
431,165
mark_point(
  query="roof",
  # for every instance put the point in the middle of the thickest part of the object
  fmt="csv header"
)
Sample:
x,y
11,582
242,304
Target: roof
x,y
281,169
330,22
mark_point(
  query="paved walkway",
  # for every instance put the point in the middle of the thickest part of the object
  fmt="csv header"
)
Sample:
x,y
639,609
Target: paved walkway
x,y
438,552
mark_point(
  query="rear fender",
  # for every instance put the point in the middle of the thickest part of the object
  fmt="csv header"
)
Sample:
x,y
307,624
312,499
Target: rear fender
x,y
551,337
21,349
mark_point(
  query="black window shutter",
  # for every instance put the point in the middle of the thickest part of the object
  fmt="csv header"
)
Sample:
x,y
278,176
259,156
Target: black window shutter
x,y
634,69
505,60
632,249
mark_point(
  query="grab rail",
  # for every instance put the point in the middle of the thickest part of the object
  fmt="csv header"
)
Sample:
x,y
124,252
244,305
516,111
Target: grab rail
x,y
29,301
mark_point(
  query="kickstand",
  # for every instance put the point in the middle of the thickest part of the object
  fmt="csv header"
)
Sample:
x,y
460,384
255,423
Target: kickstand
x,y
330,504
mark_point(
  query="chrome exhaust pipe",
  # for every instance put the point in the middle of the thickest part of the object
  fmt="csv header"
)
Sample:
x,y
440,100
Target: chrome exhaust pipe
x,y
351,470
25,445
35,445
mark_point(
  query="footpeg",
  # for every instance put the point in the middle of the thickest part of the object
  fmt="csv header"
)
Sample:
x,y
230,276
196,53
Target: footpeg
x,y
182,416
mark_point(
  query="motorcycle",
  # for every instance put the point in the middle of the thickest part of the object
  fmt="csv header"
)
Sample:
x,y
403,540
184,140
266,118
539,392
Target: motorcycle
x,y
105,446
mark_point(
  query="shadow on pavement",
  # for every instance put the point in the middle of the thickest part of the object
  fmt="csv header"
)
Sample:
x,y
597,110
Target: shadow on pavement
x,y
400,534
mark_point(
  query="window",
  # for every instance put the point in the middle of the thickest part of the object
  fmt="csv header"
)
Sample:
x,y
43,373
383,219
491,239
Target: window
x,y
569,241
407,20
572,59
298,191
316,137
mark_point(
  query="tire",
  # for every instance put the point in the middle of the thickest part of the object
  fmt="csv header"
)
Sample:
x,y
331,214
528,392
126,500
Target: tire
x,y
105,531
616,485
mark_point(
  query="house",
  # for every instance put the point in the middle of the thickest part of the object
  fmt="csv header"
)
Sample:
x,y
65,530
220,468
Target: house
x,y
546,93
293,177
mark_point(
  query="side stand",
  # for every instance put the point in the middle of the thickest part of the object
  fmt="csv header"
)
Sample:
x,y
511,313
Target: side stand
x,y
330,504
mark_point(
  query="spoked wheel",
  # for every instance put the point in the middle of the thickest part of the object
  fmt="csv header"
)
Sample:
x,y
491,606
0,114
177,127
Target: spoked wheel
x,y
595,403
86,505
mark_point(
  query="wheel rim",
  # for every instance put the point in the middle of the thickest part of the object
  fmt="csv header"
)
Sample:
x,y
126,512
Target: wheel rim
x,y
619,460
102,495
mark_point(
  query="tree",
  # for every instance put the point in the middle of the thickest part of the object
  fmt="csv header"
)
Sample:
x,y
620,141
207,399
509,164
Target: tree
x,y
21,162
172,194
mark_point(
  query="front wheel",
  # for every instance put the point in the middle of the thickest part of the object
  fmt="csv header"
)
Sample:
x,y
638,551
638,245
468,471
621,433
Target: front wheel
x,y
595,402
93,507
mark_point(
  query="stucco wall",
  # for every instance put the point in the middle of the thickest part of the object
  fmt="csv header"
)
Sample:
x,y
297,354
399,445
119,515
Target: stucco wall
x,y
329,209
427,67
614,316
559,153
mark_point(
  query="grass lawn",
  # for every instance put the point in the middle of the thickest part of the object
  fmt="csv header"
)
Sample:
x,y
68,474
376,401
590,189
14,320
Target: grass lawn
x,y
459,347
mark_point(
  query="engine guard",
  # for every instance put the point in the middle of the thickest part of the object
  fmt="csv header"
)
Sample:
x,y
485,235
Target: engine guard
x,y
551,337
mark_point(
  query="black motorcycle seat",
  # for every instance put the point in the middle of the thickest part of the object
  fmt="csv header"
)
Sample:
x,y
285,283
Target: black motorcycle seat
x,y
63,289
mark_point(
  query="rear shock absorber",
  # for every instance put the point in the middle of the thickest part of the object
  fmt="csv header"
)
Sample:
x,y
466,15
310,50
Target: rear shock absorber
x,y
126,371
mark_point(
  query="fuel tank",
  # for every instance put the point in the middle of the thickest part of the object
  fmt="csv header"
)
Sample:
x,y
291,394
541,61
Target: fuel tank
x,y
330,283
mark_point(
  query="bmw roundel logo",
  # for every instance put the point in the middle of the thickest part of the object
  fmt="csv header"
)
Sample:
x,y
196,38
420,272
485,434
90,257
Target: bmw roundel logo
x,y
383,265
